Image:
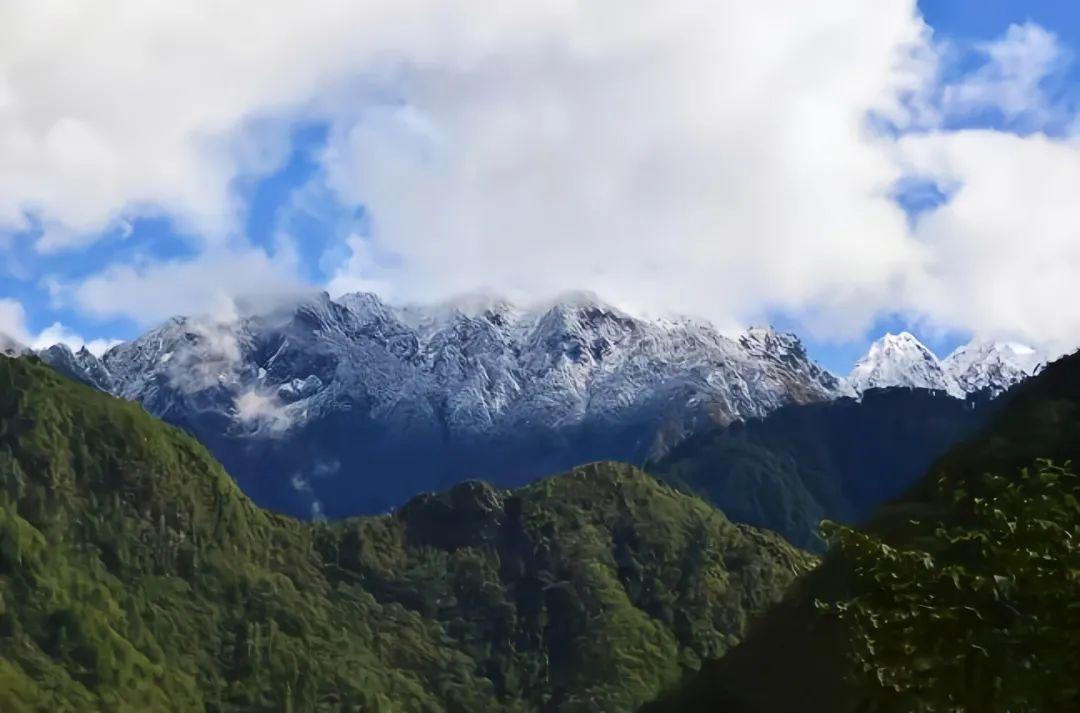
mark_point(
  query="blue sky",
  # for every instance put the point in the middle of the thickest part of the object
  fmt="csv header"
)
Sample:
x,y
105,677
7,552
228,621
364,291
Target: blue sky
x,y
965,22
278,203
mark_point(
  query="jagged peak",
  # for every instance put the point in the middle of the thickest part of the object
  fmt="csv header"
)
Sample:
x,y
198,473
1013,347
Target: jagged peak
x,y
900,359
902,340
1020,354
359,301
61,348
480,362
572,304
892,346
772,338
992,366
981,365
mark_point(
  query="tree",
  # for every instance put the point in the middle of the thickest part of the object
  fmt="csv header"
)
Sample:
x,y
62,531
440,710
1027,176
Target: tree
x,y
982,616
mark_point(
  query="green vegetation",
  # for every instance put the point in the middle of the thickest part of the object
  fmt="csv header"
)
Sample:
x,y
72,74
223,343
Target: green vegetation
x,y
134,576
1009,539
837,460
982,617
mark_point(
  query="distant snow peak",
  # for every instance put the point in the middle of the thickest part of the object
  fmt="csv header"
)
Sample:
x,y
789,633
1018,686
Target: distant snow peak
x,y
992,366
978,367
902,360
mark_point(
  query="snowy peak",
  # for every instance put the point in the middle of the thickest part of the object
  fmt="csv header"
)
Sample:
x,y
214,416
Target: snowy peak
x,y
477,364
992,367
902,360
978,367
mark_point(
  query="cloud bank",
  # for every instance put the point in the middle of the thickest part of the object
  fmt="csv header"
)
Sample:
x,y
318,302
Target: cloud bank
x,y
732,160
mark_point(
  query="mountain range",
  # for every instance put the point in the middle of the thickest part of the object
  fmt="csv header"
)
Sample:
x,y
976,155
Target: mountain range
x,y
345,406
135,574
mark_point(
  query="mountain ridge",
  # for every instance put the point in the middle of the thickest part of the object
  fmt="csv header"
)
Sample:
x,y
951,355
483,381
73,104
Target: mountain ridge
x,y
355,384
350,405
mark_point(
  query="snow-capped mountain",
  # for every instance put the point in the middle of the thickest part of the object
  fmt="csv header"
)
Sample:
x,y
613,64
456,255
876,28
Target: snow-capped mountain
x,y
902,360
992,367
979,367
352,405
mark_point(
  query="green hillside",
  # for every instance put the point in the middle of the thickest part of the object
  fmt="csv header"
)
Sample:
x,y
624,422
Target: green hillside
x,y
135,576
981,553
836,460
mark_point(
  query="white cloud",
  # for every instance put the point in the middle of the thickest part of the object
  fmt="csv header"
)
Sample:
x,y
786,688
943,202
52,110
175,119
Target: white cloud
x,y
13,325
263,409
1002,256
13,321
219,284
1011,79
625,146
363,271
704,158
57,333
127,107
713,158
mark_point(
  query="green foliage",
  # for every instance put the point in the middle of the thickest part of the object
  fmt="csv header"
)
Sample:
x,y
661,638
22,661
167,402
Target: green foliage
x,y
985,616
837,460
813,650
134,576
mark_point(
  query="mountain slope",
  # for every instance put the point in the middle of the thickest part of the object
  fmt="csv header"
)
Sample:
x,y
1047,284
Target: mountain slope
x,y
837,460
352,406
794,641
134,575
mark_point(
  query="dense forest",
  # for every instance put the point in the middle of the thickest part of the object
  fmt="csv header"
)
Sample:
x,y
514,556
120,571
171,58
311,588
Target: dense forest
x,y
134,575
835,460
957,596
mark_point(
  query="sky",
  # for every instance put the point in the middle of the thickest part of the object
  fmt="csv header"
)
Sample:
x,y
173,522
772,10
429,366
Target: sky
x,y
838,168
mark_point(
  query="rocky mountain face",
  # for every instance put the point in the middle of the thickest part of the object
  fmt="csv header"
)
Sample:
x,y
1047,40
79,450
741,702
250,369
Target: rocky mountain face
x,y
349,406
979,367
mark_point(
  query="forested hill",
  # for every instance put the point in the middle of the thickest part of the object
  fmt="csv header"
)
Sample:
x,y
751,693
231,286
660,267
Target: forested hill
x,y
972,572
134,575
836,460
